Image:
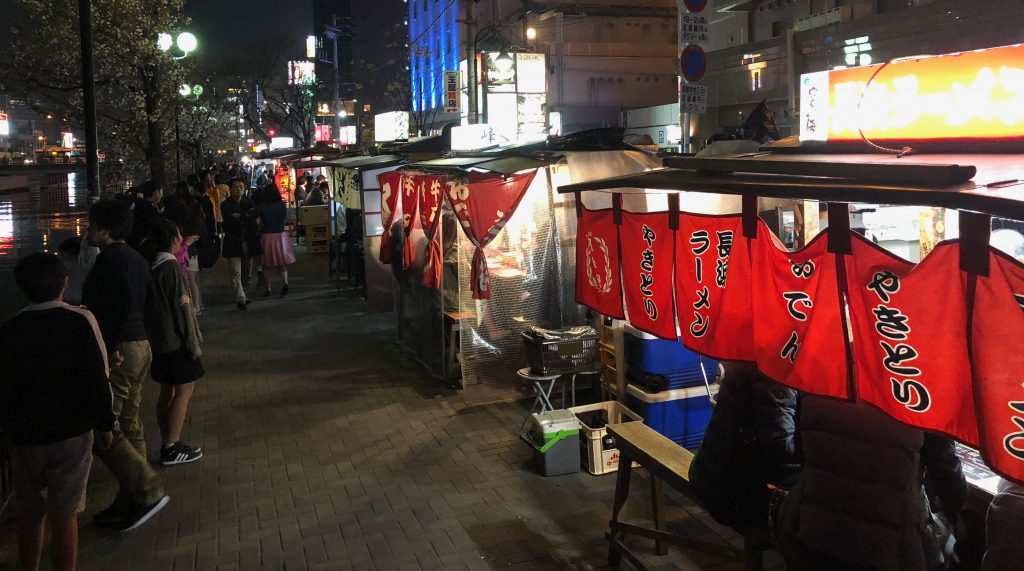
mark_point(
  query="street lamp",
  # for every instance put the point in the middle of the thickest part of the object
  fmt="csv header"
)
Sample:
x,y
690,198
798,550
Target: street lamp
x,y
186,42
190,92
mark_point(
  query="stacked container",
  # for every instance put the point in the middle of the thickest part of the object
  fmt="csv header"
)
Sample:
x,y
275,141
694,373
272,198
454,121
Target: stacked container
x,y
666,386
659,365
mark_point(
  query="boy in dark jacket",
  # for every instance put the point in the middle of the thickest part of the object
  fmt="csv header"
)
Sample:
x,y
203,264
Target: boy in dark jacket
x,y
54,396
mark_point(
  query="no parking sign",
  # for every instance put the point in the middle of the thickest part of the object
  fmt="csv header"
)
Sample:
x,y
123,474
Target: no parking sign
x,y
693,63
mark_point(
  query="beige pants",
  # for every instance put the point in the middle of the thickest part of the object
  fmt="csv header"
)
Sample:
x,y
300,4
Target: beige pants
x,y
241,272
126,457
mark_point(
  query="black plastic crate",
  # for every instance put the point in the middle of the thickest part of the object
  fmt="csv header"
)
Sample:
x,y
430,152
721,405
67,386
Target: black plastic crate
x,y
561,352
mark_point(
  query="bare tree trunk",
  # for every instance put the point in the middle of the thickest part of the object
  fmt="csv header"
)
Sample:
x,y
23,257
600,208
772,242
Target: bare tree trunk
x,y
154,144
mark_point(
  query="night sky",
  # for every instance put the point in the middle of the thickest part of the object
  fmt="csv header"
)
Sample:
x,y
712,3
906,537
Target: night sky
x,y
228,27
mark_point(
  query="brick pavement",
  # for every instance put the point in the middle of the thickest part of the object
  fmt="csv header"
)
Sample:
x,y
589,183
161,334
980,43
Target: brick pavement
x,y
327,447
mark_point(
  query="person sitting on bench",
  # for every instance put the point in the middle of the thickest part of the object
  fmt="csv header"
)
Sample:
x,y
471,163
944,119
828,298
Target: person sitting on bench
x,y
749,443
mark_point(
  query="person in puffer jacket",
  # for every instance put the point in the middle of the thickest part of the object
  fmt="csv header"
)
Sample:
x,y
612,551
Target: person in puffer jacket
x,y
861,502
749,443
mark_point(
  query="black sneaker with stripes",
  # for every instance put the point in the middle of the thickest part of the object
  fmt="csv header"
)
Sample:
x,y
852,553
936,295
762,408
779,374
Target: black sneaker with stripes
x,y
179,453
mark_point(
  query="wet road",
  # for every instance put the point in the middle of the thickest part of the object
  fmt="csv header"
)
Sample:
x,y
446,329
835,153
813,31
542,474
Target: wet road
x,y
36,220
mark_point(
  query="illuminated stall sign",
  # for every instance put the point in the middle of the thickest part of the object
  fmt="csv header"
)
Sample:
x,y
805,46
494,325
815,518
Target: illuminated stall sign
x,y
392,126
973,96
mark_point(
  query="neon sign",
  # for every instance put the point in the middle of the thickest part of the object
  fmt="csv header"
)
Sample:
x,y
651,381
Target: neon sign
x,y
975,96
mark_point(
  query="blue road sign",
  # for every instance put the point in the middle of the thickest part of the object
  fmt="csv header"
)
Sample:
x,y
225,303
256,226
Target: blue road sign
x,y
693,63
695,6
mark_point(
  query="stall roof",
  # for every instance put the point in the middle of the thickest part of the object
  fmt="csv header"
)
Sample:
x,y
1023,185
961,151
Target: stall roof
x,y
989,184
365,162
505,165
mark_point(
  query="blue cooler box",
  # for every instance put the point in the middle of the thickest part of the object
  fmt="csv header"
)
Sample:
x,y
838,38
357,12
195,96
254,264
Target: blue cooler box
x,y
647,356
681,415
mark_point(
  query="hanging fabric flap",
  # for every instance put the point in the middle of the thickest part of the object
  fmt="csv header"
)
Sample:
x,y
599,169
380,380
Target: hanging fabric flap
x,y
798,333
390,189
410,202
713,286
483,203
431,190
647,247
598,282
910,358
997,338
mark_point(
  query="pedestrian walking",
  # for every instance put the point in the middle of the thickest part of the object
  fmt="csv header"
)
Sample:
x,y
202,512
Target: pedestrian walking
x,y
117,290
54,401
241,239
175,337
276,249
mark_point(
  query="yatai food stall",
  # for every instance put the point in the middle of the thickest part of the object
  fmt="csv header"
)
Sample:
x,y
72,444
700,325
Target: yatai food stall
x,y
464,296
934,345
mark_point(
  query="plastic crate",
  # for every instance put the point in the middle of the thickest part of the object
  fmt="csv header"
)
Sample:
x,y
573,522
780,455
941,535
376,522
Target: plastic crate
x,y
560,357
600,457
681,415
661,365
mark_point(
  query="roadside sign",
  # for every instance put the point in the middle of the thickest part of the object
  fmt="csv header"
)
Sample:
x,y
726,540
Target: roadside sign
x,y
693,62
693,98
695,5
694,29
451,92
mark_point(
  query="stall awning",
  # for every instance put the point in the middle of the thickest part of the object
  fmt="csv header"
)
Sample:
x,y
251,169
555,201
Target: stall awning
x,y
365,162
504,165
989,184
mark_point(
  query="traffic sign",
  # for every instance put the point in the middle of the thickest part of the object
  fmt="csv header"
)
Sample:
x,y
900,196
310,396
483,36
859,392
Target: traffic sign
x,y
693,62
693,98
693,29
695,6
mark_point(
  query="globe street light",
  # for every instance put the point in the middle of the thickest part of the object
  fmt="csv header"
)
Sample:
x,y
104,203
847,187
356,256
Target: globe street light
x,y
186,43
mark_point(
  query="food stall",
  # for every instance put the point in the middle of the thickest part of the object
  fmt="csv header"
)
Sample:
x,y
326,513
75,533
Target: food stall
x,y
459,333
930,339
353,182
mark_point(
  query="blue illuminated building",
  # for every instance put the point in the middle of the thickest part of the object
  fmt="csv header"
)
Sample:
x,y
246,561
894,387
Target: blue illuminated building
x,y
433,49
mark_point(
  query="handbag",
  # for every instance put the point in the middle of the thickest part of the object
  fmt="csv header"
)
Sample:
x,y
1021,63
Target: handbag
x,y
209,251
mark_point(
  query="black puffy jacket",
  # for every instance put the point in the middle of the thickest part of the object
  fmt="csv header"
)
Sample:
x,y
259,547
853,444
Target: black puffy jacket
x,y
861,498
749,443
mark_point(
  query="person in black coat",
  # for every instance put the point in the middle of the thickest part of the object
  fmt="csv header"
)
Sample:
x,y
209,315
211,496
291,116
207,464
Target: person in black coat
x,y
861,501
145,212
749,443
241,238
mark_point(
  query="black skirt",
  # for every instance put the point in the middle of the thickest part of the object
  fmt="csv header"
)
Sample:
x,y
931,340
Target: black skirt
x,y
177,368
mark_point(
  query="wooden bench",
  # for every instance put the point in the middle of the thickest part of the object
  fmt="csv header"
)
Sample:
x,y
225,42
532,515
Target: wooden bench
x,y
667,462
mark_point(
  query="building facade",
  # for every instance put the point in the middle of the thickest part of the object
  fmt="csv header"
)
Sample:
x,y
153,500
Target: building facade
x,y
596,60
759,49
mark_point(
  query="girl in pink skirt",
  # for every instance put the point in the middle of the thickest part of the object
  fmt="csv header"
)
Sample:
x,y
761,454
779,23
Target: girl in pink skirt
x,y
277,250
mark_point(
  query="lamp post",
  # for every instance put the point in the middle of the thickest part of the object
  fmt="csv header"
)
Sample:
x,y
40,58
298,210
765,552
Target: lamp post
x,y
192,93
186,43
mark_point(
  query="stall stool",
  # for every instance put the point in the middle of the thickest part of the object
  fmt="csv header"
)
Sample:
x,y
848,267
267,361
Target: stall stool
x,y
542,396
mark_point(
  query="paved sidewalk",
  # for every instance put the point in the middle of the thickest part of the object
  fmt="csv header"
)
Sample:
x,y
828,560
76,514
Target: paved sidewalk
x,y
328,448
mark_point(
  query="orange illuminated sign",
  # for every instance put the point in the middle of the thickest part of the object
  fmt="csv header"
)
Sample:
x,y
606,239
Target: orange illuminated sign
x,y
969,96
